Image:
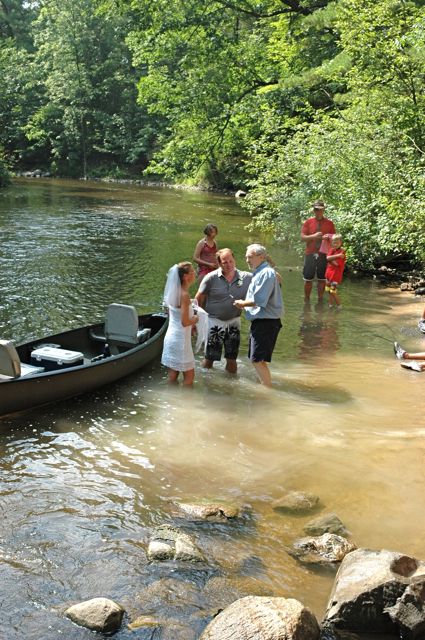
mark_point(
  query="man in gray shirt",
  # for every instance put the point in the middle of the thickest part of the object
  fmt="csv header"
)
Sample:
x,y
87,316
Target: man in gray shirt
x,y
216,294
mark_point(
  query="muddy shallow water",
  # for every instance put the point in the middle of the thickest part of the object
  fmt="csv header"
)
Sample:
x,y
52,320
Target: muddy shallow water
x,y
83,482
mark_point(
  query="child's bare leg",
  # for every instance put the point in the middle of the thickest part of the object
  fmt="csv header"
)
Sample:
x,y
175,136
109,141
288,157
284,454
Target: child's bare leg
x,y
328,291
172,376
332,297
336,297
188,377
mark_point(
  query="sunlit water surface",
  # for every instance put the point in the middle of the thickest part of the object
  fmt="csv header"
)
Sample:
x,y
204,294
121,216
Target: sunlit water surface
x,y
83,482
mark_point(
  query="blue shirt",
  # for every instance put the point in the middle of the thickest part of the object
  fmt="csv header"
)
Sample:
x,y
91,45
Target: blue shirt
x,y
265,291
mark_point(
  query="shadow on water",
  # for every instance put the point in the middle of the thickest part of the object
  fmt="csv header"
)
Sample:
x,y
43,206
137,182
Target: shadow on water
x,y
285,385
313,392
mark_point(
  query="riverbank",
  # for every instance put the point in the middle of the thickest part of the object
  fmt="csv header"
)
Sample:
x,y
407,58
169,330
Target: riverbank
x,y
239,193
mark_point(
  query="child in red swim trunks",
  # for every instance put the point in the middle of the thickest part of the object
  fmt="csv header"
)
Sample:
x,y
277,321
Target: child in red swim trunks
x,y
336,262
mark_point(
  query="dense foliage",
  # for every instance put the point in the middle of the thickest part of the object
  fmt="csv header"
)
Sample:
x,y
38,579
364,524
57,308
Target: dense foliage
x,y
365,155
289,99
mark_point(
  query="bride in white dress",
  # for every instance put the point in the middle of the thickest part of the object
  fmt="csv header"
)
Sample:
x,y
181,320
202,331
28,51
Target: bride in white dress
x,y
177,353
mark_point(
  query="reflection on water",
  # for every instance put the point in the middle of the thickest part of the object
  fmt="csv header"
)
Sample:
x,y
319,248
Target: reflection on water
x,y
83,482
318,332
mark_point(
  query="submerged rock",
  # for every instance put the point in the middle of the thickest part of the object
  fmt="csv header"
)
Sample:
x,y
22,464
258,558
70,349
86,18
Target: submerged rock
x,y
169,629
326,549
220,592
265,618
98,614
296,502
170,543
210,511
166,598
145,621
169,608
327,523
366,586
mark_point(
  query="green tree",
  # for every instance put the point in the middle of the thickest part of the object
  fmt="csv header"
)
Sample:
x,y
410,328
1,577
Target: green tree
x,y
212,73
386,43
15,21
21,93
4,175
90,113
366,157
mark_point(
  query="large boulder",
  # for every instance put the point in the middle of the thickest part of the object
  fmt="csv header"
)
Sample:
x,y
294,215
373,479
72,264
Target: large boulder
x,y
262,618
409,611
98,614
366,585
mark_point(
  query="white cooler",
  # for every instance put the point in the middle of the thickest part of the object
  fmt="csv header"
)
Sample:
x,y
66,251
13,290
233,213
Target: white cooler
x,y
54,358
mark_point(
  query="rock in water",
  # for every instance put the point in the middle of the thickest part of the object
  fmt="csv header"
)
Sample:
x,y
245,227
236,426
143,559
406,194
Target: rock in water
x,y
266,618
367,584
209,511
409,611
325,549
327,523
170,543
98,614
296,502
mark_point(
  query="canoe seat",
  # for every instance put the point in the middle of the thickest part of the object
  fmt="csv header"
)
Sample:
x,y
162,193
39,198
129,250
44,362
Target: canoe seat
x,y
122,328
10,364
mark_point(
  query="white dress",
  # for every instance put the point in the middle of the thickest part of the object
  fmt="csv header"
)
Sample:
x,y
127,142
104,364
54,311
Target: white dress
x,y
177,352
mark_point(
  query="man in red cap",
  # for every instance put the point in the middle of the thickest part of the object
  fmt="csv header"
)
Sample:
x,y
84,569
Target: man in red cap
x,y
316,232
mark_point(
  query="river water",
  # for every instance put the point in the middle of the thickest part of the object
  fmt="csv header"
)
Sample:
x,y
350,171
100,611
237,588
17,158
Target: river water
x,y
83,482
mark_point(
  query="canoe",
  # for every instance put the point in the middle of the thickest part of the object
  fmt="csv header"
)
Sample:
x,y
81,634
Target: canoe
x,y
79,360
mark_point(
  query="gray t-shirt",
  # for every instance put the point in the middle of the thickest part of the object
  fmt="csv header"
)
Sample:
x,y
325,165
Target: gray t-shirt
x,y
221,294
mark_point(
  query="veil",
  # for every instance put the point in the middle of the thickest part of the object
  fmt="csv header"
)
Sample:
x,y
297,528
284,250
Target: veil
x,y
173,288
201,326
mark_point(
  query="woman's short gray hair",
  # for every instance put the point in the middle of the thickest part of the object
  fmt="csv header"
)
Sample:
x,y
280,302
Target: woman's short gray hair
x,y
257,249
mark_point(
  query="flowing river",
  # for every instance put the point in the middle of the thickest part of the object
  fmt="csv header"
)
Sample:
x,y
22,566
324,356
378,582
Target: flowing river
x,y
84,482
